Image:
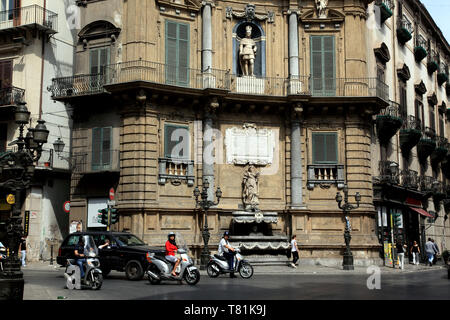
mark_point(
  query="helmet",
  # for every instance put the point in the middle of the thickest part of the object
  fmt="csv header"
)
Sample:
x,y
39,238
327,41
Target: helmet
x,y
226,233
171,234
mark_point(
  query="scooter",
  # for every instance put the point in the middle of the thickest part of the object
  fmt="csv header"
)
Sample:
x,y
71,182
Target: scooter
x,y
93,277
218,265
160,269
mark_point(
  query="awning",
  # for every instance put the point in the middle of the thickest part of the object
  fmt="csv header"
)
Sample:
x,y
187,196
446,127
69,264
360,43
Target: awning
x,y
422,212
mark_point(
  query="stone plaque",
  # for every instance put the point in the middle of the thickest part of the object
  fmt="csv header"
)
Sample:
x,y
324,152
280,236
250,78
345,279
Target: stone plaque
x,y
249,145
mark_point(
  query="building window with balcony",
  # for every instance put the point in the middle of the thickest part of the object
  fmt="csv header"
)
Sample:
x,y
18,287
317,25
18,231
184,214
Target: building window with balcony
x,y
99,58
432,117
324,169
323,65
403,100
419,111
101,148
8,11
441,123
177,53
176,164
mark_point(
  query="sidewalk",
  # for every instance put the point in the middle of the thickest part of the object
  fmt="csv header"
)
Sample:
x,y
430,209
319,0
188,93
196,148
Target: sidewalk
x,y
302,269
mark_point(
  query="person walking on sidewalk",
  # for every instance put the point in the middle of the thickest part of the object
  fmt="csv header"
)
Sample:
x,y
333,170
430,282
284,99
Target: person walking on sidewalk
x,y
401,253
294,250
415,251
436,249
430,251
23,250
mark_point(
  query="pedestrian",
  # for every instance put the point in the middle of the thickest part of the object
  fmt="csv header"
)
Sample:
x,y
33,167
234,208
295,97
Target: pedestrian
x,y
415,251
294,250
401,253
436,249
430,251
23,250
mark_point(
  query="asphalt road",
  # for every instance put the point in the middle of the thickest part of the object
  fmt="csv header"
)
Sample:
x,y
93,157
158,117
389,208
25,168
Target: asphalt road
x,y
425,285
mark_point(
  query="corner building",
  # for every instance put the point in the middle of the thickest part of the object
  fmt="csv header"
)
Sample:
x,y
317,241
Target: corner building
x,y
159,87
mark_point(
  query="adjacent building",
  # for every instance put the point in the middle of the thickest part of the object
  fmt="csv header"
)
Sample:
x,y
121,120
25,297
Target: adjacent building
x,y
36,45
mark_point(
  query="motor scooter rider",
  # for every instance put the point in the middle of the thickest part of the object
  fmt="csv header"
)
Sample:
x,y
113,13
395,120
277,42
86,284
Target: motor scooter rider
x,y
228,252
171,249
79,256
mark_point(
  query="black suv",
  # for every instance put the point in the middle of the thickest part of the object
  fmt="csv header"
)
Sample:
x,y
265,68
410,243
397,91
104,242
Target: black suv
x,y
125,253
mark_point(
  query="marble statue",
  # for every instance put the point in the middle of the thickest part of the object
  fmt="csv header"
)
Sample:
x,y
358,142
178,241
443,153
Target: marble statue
x,y
321,8
247,51
250,193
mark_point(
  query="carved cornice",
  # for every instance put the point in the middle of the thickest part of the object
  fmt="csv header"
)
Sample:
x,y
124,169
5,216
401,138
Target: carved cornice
x,y
421,88
404,73
250,14
383,53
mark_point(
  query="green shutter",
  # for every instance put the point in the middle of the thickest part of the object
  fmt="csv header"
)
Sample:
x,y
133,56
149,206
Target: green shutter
x,y
325,148
176,146
323,65
101,148
96,147
177,53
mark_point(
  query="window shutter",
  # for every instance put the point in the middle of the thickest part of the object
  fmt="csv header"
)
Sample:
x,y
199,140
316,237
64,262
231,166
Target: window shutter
x,y
325,149
106,146
331,148
171,52
441,124
432,118
328,63
403,102
6,74
96,146
323,65
318,147
316,63
176,144
183,53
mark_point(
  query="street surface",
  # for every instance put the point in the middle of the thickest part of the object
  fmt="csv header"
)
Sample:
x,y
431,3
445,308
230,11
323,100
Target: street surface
x,y
278,283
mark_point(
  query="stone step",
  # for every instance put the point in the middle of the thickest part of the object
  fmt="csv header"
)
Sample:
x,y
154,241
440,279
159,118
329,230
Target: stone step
x,y
267,260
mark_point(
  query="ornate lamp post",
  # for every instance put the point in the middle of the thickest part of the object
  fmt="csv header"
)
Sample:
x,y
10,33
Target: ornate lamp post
x,y
347,207
205,204
16,173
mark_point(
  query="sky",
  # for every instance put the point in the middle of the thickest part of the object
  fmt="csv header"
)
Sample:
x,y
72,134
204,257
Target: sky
x,y
440,11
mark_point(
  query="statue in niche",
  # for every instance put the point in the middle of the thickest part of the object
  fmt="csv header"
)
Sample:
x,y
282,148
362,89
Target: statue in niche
x,y
250,192
247,51
321,8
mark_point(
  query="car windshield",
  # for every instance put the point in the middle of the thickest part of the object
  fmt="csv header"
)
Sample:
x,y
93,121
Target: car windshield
x,y
129,240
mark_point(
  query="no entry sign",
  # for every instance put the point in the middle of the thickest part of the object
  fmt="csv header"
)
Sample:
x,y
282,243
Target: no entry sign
x,y
111,194
66,206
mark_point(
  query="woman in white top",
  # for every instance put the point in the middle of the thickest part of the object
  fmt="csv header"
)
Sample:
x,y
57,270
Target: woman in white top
x,y
294,250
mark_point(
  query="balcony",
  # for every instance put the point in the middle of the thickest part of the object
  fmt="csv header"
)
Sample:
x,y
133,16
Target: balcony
x,y
49,160
388,122
94,163
419,50
410,179
404,30
427,144
33,17
11,96
426,185
439,154
438,191
349,87
176,170
442,75
325,176
386,7
389,173
76,86
410,134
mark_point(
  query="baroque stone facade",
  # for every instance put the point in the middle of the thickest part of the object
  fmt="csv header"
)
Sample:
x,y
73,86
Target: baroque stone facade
x,y
173,92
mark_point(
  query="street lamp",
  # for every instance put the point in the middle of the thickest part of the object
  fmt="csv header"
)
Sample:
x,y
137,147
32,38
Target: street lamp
x,y
16,173
205,204
347,207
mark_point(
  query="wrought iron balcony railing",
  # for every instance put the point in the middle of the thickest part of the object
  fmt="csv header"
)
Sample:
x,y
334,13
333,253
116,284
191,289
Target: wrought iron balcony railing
x,y
404,23
421,42
33,15
95,162
11,96
79,85
411,123
410,179
426,183
389,173
388,3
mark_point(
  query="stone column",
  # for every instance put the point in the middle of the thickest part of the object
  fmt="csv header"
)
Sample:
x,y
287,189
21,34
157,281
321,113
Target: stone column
x,y
208,147
293,45
206,37
296,161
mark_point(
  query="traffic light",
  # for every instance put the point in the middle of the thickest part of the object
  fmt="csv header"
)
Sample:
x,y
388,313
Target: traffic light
x,y
102,216
397,219
114,216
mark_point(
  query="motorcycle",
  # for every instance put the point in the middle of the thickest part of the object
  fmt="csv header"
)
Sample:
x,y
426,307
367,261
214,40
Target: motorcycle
x,y
93,277
218,265
161,269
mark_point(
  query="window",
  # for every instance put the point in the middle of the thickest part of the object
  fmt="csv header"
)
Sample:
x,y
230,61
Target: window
x,y
419,112
176,141
8,12
324,148
441,124
99,59
73,240
6,74
3,134
403,100
177,53
432,117
101,148
323,65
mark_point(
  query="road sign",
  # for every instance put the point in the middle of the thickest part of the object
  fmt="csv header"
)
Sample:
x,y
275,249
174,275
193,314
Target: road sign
x,y
111,194
26,226
10,199
66,206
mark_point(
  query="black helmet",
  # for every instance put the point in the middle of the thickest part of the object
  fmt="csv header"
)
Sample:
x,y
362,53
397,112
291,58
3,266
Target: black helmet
x,y
226,233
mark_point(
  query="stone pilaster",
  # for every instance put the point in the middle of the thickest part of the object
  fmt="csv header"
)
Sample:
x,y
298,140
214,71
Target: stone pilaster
x,y
293,44
296,160
208,147
206,37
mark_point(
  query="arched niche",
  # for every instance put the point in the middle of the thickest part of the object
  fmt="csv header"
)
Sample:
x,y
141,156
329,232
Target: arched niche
x,y
259,37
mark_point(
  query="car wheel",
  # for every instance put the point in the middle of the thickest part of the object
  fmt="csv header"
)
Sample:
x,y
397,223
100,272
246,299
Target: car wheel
x,y
133,270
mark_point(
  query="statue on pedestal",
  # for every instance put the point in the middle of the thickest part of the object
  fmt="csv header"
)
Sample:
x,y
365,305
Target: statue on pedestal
x,y
247,51
250,194
321,8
